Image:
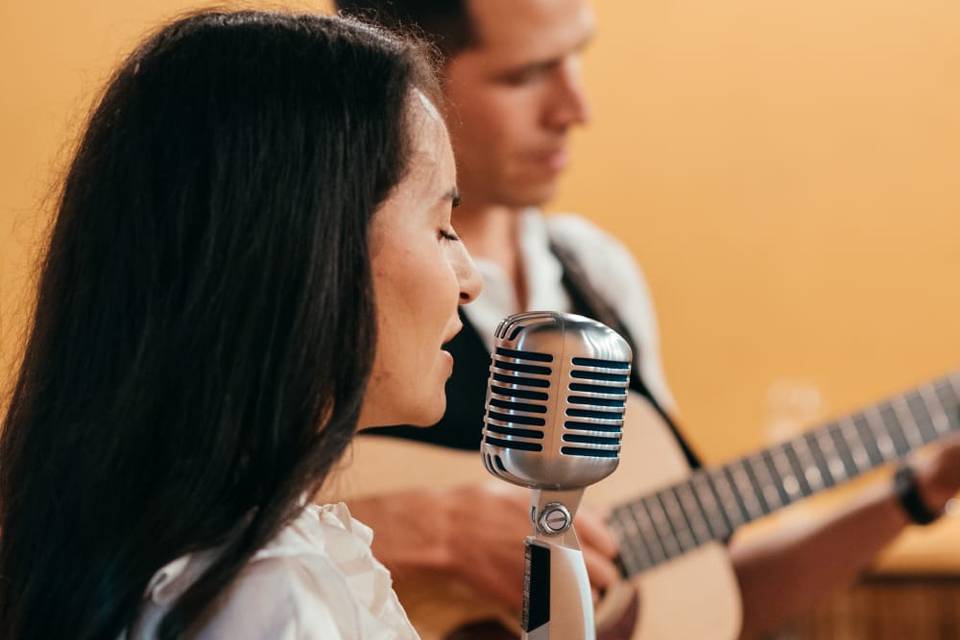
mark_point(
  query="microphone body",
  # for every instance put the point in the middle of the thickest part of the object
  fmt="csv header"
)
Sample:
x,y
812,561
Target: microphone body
x,y
553,422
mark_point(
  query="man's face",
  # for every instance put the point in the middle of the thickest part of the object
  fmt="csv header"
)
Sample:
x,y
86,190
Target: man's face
x,y
513,97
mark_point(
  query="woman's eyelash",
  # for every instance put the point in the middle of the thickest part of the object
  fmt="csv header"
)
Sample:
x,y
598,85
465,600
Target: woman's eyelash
x,y
448,235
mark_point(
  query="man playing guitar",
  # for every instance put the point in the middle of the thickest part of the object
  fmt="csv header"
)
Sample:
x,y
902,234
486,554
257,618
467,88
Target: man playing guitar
x,y
511,71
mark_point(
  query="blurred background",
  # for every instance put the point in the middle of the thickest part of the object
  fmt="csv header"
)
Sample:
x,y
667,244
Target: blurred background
x,y
786,173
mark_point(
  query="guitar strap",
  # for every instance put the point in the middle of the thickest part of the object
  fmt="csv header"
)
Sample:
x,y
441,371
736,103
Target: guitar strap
x,y
586,301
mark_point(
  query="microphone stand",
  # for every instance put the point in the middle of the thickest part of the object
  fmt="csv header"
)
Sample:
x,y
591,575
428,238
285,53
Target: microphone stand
x,y
557,603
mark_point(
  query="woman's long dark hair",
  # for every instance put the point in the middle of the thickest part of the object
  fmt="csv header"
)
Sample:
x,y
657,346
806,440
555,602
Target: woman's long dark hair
x,y
204,323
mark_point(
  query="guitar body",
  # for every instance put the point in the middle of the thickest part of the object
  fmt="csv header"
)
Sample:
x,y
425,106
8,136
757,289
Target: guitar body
x,y
694,596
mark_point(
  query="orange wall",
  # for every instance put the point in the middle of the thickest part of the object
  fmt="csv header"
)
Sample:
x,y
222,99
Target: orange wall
x,y
787,174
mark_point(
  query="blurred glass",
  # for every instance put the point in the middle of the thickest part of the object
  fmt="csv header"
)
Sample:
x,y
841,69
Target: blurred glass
x,y
793,406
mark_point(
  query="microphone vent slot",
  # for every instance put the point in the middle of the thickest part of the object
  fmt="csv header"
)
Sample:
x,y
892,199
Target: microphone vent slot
x,y
515,414
596,402
511,327
513,444
525,355
495,465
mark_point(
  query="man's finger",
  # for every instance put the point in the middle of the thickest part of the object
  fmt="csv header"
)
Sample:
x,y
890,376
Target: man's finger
x,y
603,573
594,532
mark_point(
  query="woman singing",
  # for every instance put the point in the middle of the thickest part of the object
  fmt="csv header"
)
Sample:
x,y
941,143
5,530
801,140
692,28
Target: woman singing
x,y
252,258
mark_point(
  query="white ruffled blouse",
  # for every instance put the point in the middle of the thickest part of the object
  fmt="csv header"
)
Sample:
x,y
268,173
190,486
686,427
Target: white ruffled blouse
x,y
316,579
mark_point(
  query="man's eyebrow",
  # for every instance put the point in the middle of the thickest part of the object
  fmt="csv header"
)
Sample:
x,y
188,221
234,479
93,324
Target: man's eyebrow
x,y
548,62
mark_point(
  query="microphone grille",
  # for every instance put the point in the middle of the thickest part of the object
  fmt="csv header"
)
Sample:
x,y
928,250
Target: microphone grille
x,y
556,398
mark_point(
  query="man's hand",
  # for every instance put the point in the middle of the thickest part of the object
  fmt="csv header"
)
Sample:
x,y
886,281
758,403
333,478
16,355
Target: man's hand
x,y
473,533
938,474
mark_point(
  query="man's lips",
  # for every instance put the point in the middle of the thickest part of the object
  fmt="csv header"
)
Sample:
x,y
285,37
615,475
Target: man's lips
x,y
555,159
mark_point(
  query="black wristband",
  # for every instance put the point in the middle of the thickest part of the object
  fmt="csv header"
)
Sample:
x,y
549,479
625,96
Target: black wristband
x,y
907,490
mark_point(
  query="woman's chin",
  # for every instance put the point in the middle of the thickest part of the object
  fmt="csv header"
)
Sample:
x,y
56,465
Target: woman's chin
x,y
425,414
431,417
431,409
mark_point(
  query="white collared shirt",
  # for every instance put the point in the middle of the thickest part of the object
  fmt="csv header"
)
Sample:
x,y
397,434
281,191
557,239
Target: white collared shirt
x,y
607,265
317,579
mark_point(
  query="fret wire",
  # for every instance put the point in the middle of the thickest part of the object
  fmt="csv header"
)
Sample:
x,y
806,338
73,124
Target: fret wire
x,y
902,413
733,495
839,469
746,478
819,459
641,543
622,538
673,493
630,564
771,494
759,489
949,401
650,536
694,512
891,426
783,469
953,380
848,433
732,516
869,439
671,546
801,455
720,527
649,533
629,539
918,409
882,439
681,529
673,532
613,521
798,469
947,384
808,463
940,420
743,493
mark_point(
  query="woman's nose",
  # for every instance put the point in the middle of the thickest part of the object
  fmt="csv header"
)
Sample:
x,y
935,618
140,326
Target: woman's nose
x,y
469,277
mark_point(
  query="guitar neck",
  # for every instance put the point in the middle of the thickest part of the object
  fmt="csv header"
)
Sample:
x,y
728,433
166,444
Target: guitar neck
x,y
714,502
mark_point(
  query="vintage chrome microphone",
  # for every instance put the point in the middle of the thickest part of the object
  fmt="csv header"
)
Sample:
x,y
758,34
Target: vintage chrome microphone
x,y
554,417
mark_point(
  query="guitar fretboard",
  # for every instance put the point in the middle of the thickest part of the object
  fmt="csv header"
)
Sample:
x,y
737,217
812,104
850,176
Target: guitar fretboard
x,y
714,502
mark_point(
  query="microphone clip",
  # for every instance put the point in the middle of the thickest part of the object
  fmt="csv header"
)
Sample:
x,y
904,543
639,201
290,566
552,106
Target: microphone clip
x,y
557,602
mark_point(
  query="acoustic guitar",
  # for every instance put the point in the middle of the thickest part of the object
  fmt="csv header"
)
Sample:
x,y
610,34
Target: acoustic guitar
x,y
670,522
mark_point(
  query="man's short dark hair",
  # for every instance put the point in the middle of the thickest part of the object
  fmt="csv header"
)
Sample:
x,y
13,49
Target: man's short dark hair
x,y
443,23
